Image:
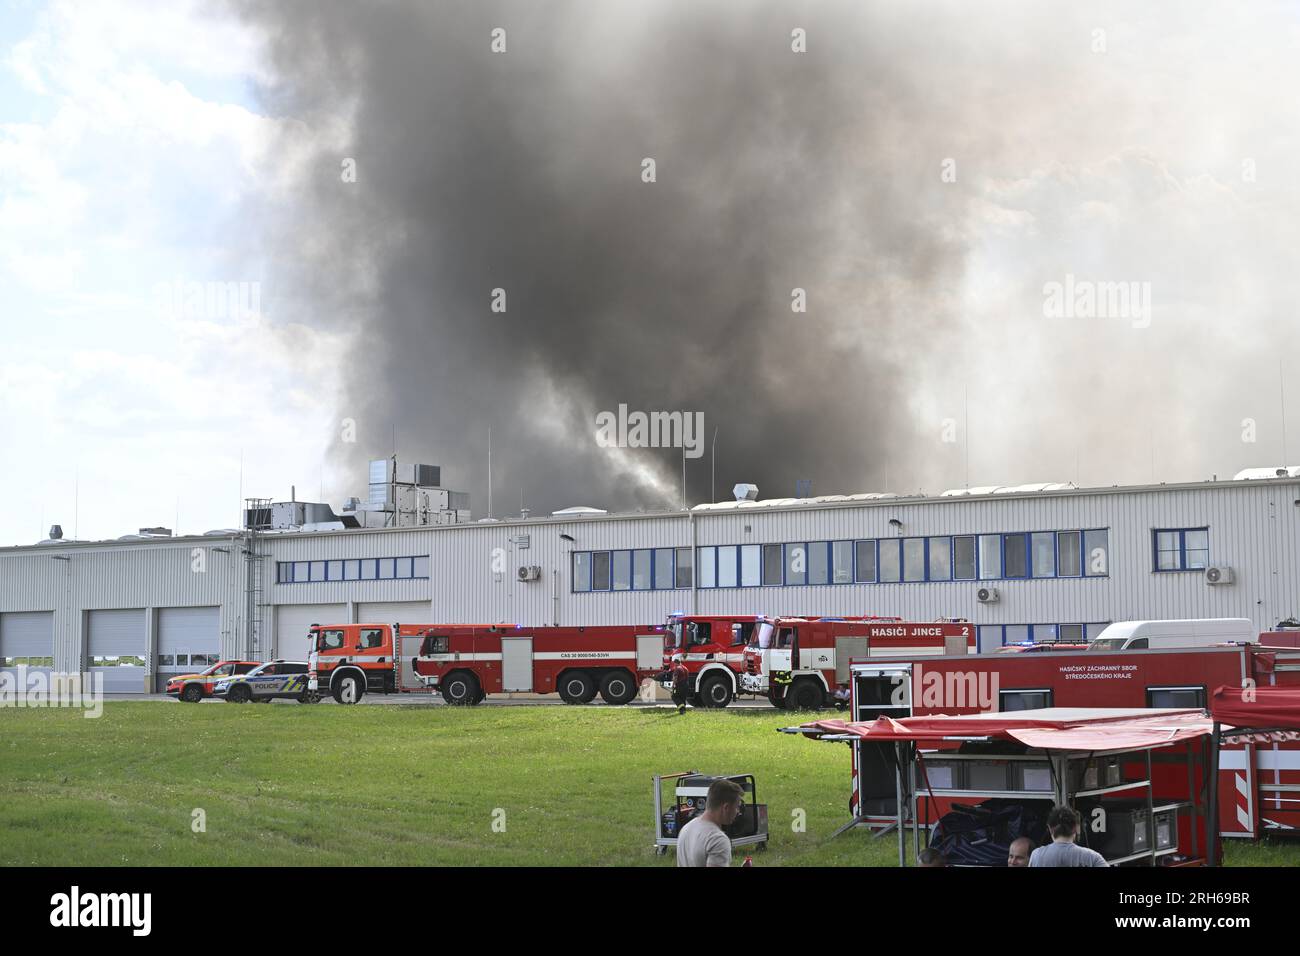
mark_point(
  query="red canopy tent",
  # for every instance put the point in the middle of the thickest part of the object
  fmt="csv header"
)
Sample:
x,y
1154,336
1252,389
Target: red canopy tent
x,y
1048,729
1251,714
1257,709
1060,729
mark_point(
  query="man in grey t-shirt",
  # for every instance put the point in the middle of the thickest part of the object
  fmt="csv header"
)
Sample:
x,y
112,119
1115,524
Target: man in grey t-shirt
x,y
702,841
1063,824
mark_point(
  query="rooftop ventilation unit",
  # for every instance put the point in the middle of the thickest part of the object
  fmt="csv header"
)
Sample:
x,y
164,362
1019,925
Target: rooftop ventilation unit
x,y
745,492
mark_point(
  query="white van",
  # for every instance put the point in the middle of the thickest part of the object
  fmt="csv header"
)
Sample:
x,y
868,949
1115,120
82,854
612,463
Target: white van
x,y
1196,632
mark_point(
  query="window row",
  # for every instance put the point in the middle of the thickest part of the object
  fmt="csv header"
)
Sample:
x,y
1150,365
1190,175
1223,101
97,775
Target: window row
x,y
1181,549
26,661
363,569
997,635
645,569
1189,697
187,660
984,557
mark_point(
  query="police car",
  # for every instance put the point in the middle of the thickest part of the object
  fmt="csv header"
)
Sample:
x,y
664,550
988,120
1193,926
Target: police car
x,y
273,680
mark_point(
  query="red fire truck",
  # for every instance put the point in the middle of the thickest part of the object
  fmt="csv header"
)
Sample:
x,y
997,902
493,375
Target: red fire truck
x,y
803,663
466,662
712,648
1259,784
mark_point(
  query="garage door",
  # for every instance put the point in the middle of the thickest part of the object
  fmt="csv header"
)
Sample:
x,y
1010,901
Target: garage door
x,y
189,639
292,622
398,612
116,648
27,639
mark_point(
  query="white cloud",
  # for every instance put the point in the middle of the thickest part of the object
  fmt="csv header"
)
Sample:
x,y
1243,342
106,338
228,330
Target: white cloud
x,y
147,167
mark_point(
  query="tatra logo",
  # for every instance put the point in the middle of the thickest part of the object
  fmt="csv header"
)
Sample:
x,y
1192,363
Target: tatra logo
x,y
74,909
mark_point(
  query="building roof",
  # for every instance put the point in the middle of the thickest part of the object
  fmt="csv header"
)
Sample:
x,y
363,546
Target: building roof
x,y
865,499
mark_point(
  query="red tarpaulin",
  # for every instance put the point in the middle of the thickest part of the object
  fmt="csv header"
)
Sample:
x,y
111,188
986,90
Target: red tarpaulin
x,y
1050,729
1272,708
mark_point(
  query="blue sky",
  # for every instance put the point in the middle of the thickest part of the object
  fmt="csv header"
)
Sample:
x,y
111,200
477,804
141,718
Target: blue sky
x,y
133,157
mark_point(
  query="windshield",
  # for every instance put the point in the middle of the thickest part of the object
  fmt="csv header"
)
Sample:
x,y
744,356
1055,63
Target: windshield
x,y
762,637
1108,644
260,668
674,631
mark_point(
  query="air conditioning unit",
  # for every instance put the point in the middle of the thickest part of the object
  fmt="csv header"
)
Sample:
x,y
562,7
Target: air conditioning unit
x,y
529,572
1219,576
988,596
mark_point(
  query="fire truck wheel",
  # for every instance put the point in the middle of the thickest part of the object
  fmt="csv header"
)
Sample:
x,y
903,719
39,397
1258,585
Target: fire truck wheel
x,y
461,689
577,687
776,701
618,687
804,695
192,693
715,691
348,689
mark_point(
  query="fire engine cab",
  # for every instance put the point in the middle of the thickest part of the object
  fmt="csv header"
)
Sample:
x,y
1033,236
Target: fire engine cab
x,y
347,661
803,663
712,648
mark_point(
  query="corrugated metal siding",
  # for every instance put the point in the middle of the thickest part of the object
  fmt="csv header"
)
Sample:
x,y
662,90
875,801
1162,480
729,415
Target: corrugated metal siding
x,y
1254,528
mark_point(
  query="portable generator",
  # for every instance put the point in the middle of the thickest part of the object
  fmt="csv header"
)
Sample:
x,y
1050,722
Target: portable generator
x,y
689,800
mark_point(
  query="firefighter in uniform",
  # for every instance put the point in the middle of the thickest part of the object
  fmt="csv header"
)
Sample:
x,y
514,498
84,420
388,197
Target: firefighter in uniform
x,y
681,683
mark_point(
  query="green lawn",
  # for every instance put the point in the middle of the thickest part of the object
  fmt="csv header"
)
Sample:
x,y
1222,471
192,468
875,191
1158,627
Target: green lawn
x,y
397,785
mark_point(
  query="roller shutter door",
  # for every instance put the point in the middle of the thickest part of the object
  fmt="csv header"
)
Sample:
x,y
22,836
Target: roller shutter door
x,y
189,639
292,622
27,638
116,647
399,612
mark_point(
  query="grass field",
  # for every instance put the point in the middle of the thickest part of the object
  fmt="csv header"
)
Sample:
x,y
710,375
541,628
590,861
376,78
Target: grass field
x,y
284,784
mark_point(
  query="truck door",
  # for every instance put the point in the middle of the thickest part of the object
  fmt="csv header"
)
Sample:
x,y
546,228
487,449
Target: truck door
x,y
649,653
781,656
879,691
516,664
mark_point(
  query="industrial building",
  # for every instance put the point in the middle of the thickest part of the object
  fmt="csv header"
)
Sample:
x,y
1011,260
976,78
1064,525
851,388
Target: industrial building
x,y
1027,562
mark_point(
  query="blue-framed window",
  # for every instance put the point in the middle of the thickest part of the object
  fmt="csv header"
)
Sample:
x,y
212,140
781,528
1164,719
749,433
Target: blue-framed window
x,y
1019,555
352,569
1180,549
999,635
642,569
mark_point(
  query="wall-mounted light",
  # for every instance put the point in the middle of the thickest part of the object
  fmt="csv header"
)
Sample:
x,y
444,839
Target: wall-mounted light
x,y
895,523
59,557
570,538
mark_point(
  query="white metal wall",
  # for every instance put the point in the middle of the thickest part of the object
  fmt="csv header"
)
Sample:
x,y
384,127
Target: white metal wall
x,y
1254,528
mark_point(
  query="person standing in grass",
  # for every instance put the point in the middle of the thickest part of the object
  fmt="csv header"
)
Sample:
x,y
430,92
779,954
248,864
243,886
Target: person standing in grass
x,y
702,841
681,683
